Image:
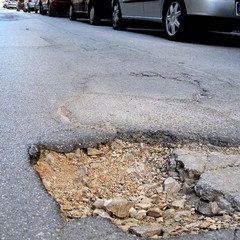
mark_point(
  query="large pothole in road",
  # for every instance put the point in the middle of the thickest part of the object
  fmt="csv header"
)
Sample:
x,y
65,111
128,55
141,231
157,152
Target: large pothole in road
x,y
147,190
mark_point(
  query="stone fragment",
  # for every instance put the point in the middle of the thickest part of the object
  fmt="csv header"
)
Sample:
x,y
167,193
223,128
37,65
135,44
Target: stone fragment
x,y
118,206
93,152
78,153
154,212
169,213
146,200
99,203
208,208
101,213
162,205
188,189
205,225
160,219
213,227
133,212
83,170
141,214
222,183
190,164
171,186
146,231
118,145
178,204
143,206
50,159
181,214
159,189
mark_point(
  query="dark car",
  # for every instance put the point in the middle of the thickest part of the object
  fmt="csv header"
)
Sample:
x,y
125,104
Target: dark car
x,y
20,5
95,10
52,6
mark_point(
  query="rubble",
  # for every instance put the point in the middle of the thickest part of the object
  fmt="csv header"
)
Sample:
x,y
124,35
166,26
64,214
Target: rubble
x,y
147,190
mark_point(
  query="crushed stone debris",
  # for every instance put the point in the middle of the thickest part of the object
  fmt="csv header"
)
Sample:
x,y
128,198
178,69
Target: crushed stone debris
x,y
129,184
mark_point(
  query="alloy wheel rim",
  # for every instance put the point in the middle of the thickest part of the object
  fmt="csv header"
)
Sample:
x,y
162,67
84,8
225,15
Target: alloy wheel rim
x,y
115,14
70,12
92,14
173,18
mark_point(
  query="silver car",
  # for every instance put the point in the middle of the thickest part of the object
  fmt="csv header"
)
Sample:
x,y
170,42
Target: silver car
x,y
179,16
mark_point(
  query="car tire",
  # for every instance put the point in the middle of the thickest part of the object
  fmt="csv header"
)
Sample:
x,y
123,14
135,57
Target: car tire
x,y
42,11
93,17
51,12
72,16
117,21
35,10
174,19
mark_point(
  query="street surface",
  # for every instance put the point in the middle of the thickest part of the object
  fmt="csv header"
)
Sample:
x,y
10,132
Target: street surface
x,y
63,82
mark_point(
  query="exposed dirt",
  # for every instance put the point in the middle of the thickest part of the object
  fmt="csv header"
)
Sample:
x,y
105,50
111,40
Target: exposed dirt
x,y
84,182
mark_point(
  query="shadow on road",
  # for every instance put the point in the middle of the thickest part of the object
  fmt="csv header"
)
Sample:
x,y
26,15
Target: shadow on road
x,y
205,38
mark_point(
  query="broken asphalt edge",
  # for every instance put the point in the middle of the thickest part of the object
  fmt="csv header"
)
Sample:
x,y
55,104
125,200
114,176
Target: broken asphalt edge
x,y
68,140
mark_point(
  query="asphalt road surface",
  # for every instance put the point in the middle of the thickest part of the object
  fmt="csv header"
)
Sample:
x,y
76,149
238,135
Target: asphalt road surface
x,y
63,82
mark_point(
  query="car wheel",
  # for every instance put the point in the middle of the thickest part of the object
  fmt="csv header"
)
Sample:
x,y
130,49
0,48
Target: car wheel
x,y
42,11
117,21
93,18
72,16
175,19
50,10
35,10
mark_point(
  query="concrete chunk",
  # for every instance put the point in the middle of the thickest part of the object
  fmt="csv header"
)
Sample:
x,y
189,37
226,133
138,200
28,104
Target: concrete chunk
x,y
218,184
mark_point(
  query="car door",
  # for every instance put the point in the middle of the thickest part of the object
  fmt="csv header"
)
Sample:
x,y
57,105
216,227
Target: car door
x,y
132,9
153,9
76,5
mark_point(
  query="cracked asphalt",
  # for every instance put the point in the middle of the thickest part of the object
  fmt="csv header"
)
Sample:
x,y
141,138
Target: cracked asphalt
x,y
66,83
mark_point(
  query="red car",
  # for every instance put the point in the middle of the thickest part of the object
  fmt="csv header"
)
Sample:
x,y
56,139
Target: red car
x,y
20,5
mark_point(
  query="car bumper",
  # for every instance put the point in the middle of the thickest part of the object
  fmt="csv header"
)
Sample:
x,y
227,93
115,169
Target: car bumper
x,y
213,8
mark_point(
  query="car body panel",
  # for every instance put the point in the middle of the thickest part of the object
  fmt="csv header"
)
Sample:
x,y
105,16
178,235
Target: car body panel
x,y
82,7
57,5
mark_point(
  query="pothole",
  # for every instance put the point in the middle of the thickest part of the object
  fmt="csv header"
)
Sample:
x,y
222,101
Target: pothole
x,y
141,188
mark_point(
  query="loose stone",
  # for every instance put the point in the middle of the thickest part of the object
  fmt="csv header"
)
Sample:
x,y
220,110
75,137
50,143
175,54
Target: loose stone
x,y
171,186
118,206
154,212
146,231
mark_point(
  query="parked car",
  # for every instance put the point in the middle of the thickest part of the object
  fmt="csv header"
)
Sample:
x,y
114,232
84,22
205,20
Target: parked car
x,y
179,16
11,4
28,5
94,10
52,6
20,5
4,2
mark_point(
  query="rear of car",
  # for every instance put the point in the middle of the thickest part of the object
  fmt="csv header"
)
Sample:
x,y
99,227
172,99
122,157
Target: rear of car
x,y
12,4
